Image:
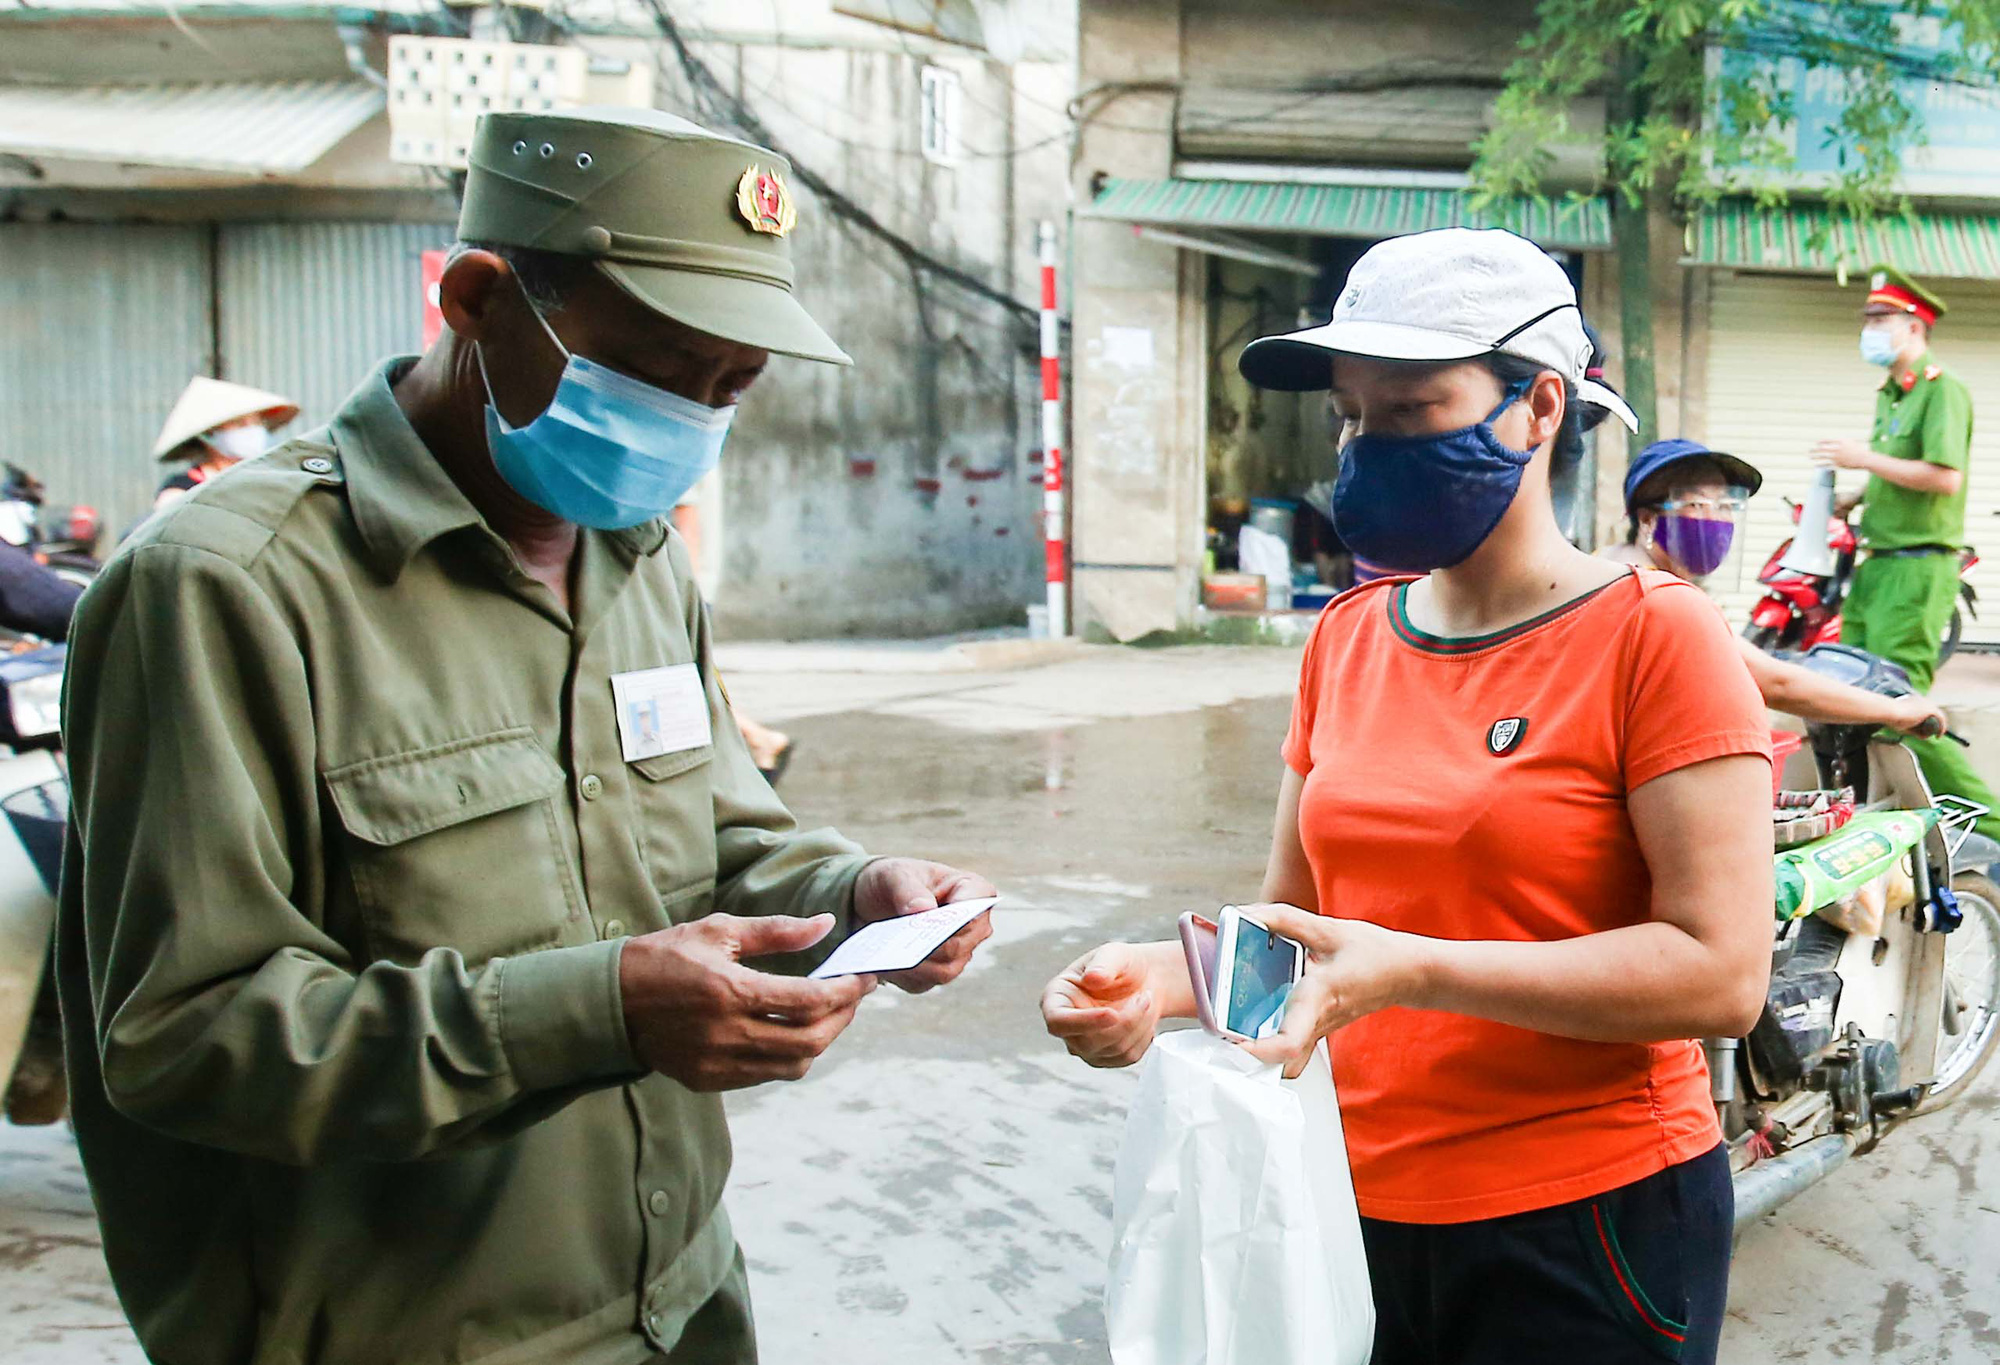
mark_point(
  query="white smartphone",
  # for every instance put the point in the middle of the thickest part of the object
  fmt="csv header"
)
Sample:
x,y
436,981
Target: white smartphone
x,y
1255,971
1198,934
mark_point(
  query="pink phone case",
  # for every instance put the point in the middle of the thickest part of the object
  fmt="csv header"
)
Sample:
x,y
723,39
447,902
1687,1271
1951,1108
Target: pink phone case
x,y
1236,919
1198,939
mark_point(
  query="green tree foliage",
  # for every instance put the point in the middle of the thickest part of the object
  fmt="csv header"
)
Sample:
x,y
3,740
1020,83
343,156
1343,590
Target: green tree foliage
x,y
1696,104
1700,100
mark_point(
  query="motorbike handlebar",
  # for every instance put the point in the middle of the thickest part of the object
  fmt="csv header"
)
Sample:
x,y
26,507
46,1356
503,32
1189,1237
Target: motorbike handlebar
x,y
1934,727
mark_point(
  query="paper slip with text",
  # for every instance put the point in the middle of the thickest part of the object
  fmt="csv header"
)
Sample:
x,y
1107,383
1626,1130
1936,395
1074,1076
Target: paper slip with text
x,y
895,945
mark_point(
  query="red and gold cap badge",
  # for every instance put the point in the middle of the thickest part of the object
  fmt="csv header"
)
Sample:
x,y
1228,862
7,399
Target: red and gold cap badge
x,y
765,202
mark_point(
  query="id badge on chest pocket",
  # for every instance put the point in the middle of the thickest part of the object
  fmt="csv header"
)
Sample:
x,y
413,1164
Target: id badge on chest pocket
x,y
665,735
661,711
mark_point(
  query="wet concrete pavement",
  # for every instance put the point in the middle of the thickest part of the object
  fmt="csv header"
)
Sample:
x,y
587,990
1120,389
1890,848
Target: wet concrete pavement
x,y
939,1189
952,1199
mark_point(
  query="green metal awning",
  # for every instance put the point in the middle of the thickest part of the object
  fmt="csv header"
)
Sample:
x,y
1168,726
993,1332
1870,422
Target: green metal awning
x,y
1806,237
1345,210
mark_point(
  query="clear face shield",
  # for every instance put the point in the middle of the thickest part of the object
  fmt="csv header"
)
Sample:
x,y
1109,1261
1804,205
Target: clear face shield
x,y
1699,537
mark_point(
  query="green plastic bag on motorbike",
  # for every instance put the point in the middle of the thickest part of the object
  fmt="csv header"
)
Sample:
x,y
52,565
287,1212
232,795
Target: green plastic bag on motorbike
x,y
1820,873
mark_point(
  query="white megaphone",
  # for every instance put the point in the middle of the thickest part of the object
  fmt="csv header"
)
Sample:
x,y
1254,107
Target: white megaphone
x,y
1810,552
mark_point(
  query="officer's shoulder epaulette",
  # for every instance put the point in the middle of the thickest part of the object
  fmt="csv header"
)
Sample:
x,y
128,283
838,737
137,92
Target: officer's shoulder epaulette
x,y
1943,376
238,514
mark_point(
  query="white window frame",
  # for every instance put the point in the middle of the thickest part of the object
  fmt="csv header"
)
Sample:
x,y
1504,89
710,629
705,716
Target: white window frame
x,y
941,116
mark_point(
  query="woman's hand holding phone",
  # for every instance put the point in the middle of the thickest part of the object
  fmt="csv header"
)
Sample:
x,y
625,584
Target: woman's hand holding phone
x,y
1107,1005
1354,969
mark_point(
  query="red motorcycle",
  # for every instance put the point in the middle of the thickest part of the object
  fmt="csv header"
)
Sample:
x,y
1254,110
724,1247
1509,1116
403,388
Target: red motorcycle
x,y
1799,609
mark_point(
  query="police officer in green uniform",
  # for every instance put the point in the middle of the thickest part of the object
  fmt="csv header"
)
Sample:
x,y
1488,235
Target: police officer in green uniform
x,y
421,895
1913,510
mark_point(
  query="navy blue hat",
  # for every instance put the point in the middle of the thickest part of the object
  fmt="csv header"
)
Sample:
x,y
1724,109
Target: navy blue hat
x,y
1661,454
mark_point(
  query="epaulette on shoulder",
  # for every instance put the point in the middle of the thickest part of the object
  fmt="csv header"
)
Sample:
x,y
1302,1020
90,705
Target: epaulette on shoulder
x,y
237,515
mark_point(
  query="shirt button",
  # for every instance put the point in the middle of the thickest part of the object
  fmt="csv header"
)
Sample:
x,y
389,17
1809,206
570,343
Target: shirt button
x,y
614,928
592,786
658,1202
316,465
655,1323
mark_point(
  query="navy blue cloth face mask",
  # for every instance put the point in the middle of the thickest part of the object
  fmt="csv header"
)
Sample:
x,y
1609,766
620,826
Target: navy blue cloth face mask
x,y
1419,503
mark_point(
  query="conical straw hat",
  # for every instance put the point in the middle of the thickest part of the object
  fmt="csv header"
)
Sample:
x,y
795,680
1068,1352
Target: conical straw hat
x,y
206,404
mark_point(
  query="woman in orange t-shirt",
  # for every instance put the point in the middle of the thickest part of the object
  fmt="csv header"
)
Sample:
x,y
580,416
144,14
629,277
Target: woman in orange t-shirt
x,y
1528,797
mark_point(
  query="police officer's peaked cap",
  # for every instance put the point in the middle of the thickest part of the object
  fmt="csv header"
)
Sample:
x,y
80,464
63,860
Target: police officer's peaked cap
x,y
1890,288
692,224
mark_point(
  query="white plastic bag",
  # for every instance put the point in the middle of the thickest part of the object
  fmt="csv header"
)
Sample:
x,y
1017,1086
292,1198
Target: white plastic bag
x,y
1235,1239
1260,552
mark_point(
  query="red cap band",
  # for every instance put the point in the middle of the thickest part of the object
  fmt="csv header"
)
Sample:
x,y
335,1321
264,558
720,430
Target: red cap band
x,y
1904,301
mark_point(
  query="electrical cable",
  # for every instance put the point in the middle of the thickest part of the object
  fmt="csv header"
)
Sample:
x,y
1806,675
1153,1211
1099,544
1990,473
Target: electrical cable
x,y
1790,36
708,91
772,99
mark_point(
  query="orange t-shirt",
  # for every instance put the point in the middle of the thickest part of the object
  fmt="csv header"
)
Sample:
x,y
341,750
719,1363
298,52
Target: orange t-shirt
x,y
1475,789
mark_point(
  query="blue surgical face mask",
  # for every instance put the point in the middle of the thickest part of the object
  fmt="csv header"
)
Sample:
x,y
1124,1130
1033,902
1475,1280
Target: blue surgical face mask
x,y
1877,346
1419,503
610,451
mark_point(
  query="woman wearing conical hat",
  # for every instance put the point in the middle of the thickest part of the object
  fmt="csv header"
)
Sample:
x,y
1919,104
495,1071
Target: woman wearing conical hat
x,y
214,425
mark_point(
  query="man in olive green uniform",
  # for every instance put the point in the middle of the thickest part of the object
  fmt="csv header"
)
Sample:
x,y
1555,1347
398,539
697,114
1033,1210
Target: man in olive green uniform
x,y
1913,511
415,856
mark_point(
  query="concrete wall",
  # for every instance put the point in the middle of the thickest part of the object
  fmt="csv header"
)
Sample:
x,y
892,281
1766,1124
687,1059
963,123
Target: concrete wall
x,y
1273,42
901,496
1432,69
1139,374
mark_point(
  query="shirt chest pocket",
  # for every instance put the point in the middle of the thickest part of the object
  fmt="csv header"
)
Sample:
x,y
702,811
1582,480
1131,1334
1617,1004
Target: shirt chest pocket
x,y
674,795
460,845
1900,433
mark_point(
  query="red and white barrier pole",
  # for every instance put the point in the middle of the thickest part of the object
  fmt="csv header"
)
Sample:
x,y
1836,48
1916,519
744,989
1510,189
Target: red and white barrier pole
x,y
1055,534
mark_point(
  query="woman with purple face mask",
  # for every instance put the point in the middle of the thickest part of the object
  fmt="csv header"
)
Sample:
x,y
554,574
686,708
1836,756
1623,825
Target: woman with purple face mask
x,y
1685,503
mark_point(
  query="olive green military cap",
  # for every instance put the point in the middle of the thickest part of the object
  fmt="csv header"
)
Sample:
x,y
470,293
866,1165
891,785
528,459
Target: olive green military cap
x,y
692,224
1889,289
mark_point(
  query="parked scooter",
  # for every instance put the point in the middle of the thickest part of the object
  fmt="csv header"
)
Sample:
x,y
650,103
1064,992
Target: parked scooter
x,y
36,803
1805,585
1876,1011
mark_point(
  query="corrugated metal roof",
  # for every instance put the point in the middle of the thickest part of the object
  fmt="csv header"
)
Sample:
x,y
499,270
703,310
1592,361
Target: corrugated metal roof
x,y
28,11
1809,238
1345,210
246,128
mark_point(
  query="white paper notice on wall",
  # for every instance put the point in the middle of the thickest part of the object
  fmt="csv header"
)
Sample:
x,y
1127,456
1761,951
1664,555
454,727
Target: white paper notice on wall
x,y
1129,348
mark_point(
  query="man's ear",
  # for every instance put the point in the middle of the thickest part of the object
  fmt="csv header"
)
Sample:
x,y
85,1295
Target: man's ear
x,y
469,289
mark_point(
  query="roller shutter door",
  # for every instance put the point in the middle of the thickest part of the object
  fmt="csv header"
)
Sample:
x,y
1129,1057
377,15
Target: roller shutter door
x,y
101,327
1784,372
